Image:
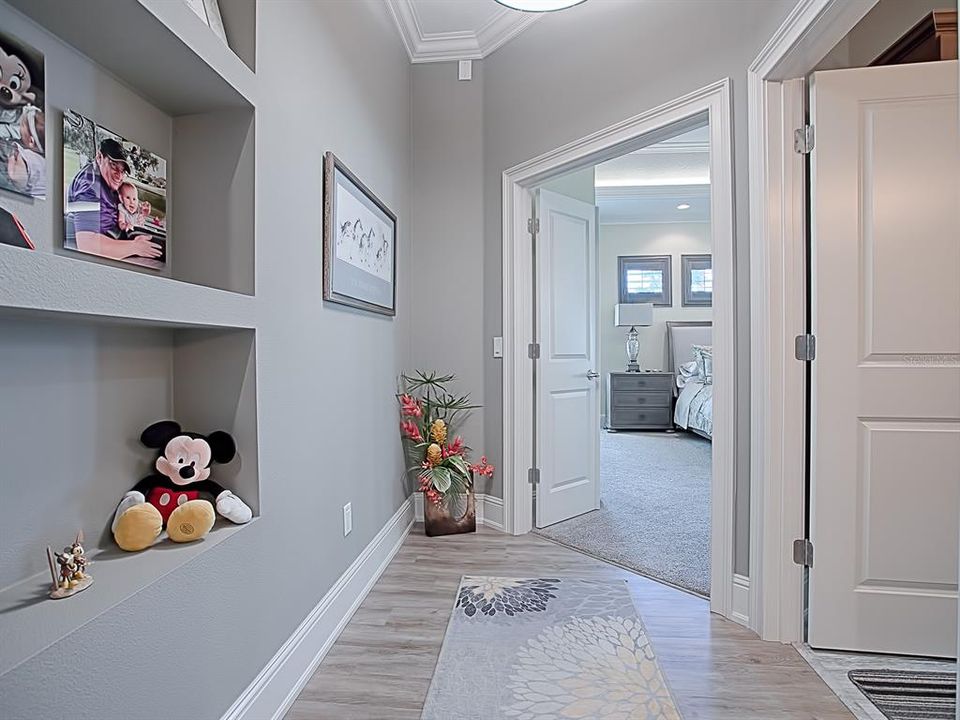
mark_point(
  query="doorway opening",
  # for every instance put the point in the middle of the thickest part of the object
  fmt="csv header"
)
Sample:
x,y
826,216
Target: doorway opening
x,y
552,375
653,330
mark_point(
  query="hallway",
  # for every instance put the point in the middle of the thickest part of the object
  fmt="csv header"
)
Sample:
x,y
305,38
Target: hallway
x,y
381,666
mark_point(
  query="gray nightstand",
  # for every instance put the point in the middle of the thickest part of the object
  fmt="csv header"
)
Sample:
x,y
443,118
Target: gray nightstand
x,y
639,401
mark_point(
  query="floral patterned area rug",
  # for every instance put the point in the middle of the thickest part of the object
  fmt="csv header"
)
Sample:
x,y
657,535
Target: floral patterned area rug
x,y
546,648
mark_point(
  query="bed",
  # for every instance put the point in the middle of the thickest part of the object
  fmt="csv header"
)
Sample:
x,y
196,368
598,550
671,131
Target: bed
x,y
693,393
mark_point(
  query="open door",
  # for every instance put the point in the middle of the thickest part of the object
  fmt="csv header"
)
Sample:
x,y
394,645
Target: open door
x,y
567,386
885,465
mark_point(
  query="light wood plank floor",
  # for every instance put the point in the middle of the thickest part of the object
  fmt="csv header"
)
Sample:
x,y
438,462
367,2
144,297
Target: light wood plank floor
x,y
381,666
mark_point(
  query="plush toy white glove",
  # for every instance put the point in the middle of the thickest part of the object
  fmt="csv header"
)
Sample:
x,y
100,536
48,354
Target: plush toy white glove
x,y
233,508
129,500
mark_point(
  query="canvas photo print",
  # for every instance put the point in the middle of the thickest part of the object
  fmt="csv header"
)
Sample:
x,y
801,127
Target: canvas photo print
x,y
115,195
23,131
360,243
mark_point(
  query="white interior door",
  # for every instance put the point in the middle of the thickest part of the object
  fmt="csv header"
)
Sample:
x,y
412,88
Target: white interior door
x,y
885,187
568,396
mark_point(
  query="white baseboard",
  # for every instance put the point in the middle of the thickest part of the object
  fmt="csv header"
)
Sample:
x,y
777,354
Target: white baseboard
x,y
273,691
489,510
740,611
491,514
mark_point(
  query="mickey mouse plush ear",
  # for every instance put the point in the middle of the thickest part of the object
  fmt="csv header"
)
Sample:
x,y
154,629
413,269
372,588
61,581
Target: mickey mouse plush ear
x,y
222,446
159,434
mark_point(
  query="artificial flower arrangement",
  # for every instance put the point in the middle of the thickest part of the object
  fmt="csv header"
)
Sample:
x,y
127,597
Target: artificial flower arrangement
x,y
429,417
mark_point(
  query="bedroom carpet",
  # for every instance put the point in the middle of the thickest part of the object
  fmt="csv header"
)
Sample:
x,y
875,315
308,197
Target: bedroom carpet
x,y
654,514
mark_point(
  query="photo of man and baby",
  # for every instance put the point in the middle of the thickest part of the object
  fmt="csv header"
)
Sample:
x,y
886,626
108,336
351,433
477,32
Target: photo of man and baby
x,y
23,167
115,195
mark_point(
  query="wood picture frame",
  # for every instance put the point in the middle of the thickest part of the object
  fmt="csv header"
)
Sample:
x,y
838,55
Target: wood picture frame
x,y
662,264
359,243
690,295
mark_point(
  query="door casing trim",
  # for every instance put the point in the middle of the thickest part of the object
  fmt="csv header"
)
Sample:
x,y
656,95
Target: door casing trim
x,y
517,183
777,309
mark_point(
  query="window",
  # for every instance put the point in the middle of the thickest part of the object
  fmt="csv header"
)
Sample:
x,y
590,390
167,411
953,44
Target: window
x,y
697,271
645,279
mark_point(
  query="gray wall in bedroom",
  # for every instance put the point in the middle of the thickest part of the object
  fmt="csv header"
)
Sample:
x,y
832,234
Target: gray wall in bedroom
x,y
578,71
447,220
207,629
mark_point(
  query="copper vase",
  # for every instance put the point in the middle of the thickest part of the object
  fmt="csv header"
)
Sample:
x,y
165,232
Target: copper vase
x,y
441,520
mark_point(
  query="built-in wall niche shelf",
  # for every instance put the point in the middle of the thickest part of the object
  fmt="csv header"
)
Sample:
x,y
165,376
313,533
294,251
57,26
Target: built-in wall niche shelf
x,y
75,396
160,48
154,73
30,621
40,283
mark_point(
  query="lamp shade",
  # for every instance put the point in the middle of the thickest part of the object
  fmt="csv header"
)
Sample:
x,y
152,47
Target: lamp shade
x,y
633,314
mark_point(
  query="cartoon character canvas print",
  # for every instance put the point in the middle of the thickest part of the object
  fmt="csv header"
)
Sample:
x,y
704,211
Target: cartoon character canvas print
x,y
23,127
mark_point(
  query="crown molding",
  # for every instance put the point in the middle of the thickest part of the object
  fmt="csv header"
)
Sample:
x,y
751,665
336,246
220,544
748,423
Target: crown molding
x,y
667,147
631,192
424,47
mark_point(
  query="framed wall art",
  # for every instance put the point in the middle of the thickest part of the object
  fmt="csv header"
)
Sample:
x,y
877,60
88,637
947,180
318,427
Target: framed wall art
x,y
697,274
359,243
645,279
209,12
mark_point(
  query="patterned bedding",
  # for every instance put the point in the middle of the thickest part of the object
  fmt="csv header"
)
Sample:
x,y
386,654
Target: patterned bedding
x,y
694,410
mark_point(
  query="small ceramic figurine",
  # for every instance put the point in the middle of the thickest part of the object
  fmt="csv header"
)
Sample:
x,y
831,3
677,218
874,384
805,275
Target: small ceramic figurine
x,y
72,576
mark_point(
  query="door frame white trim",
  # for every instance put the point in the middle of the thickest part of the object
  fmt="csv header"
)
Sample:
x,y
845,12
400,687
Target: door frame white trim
x,y
778,310
518,390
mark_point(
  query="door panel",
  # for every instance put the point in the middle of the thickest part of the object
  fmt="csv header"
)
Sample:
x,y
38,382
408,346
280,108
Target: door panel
x,y
568,401
885,484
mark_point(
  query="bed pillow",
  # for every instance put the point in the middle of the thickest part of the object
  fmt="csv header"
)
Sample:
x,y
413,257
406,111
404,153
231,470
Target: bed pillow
x,y
686,372
703,355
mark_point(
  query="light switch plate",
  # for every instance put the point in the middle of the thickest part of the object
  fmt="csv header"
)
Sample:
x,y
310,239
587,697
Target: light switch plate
x,y
347,519
465,70
498,347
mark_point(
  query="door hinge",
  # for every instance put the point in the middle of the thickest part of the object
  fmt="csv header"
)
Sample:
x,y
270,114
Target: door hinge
x,y
805,347
533,476
533,225
803,552
533,351
803,140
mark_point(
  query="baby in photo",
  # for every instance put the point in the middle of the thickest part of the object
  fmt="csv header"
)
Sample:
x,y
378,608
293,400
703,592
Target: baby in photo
x,y
132,212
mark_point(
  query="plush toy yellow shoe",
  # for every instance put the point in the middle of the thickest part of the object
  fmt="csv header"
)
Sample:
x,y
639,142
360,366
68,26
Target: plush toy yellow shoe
x,y
191,521
137,527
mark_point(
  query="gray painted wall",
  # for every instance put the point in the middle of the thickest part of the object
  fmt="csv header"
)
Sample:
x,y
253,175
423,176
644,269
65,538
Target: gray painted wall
x,y
447,221
335,77
578,71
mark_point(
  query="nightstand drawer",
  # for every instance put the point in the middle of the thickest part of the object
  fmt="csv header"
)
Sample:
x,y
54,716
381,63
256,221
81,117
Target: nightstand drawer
x,y
632,399
659,417
641,381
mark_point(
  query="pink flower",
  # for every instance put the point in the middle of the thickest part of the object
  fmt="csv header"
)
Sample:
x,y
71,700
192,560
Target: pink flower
x,y
454,448
410,429
410,406
483,468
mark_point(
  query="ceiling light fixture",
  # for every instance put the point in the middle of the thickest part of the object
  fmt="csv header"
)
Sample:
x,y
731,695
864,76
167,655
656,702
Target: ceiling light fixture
x,y
539,6
683,206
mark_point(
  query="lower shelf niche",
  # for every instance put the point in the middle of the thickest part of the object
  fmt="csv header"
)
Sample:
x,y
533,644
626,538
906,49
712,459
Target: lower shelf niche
x,y
76,396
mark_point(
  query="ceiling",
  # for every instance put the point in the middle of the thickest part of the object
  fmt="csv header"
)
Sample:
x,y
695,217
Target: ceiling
x,y
443,30
647,185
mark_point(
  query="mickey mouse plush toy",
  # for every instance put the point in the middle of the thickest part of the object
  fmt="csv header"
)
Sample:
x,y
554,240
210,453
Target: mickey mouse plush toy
x,y
180,495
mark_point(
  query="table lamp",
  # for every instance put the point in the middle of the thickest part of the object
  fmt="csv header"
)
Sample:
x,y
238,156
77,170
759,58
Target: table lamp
x,y
633,315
